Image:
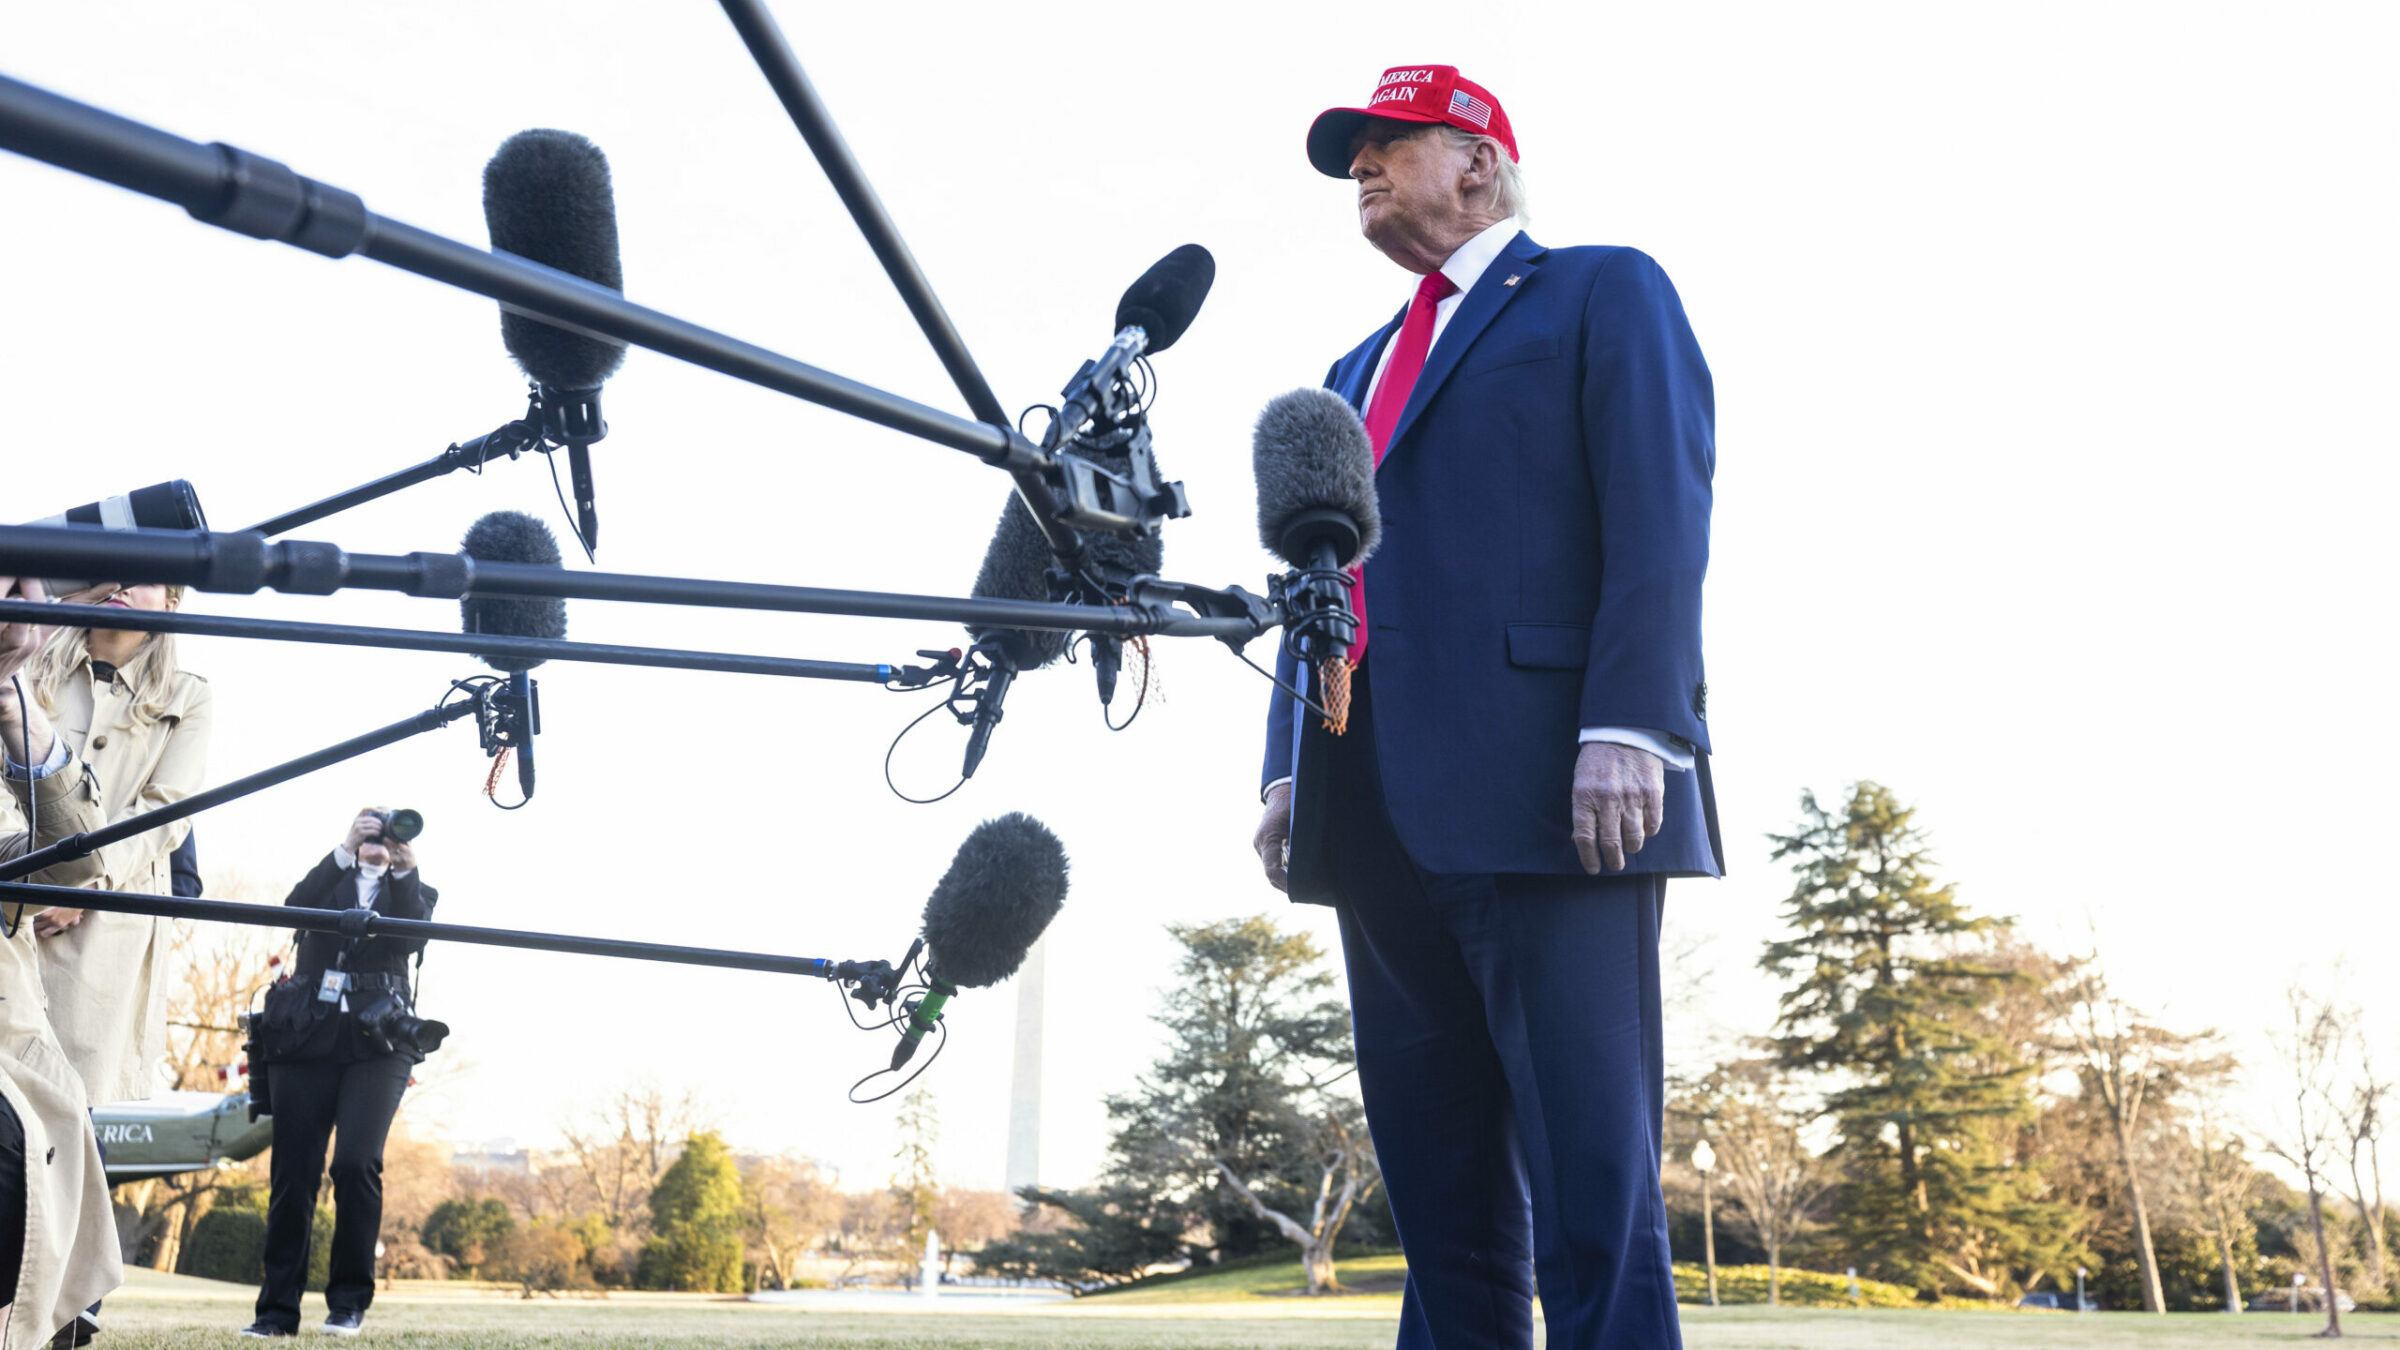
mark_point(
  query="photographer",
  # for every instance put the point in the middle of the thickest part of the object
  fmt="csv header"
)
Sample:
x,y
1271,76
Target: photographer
x,y
338,1038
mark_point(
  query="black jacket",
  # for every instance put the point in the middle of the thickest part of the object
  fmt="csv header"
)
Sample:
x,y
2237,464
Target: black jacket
x,y
330,886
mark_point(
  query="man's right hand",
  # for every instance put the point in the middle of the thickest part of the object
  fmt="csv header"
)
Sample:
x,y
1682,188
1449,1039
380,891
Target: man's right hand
x,y
1274,838
367,826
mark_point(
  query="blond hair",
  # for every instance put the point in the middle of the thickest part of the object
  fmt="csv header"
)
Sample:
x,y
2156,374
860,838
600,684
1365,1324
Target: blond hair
x,y
150,675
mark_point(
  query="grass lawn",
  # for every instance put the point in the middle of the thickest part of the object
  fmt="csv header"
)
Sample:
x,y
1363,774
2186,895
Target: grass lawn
x,y
1247,1308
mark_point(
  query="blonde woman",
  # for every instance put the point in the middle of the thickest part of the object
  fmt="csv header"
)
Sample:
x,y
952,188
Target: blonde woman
x,y
58,1239
137,726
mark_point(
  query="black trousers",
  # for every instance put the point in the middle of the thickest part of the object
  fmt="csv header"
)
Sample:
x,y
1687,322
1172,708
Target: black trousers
x,y
350,1093
1509,1051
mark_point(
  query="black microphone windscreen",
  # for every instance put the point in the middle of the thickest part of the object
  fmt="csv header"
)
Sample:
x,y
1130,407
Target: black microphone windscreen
x,y
1167,298
1310,453
546,196
1003,888
1017,564
514,537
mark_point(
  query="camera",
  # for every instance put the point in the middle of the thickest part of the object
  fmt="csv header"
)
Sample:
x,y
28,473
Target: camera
x,y
398,826
388,1024
255,1062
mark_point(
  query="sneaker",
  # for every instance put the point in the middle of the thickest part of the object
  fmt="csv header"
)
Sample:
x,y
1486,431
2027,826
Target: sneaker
x,y
344,1324
263,1329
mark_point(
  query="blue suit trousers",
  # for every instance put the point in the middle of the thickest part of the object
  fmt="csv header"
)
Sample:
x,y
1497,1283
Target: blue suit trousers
x,y
1509,1051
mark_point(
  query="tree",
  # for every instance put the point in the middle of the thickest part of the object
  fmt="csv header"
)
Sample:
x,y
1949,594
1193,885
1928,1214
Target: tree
x,y
787,1206
915,1185
1888,975
2361,1111
1240,1119
620,1151
2308,1133
1108,1235
468,1230
1773,1180
2125,1062
543,1258
1338,1139
695,1222
2224,1183
969,1220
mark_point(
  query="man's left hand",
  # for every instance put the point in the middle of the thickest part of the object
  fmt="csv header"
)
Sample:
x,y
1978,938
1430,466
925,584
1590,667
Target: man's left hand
x,y
403,854
1620,798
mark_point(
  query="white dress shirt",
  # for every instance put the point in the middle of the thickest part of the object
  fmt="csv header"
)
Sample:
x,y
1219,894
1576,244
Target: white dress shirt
x,y
1465,268
370,879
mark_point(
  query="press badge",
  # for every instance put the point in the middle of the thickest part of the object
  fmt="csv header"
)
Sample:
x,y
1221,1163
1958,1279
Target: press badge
x,y
329,989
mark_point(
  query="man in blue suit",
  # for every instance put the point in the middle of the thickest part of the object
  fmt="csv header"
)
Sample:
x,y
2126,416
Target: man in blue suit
x,y
1526,756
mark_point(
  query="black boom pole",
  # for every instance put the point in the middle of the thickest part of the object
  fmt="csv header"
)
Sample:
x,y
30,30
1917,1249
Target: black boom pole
x,y
359,923
243,563
252,195
412,639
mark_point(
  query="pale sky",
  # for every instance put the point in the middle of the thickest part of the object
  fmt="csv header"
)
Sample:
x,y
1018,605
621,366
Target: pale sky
x,y
2053,348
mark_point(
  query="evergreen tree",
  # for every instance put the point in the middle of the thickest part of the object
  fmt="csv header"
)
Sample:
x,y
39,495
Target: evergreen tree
x,y
1253,1042
915,1185
468,1230
1887,985
696,1222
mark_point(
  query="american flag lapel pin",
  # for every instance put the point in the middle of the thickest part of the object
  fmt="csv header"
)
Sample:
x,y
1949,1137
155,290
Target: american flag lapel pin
x,y
1513,279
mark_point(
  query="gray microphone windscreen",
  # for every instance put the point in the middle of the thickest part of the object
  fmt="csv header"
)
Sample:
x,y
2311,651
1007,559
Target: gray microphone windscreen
x,y
547,197
1003,888
1310,456
512,537
1017,564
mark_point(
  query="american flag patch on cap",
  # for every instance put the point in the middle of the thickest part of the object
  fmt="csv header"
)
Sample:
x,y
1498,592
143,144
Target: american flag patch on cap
x,y
1466,105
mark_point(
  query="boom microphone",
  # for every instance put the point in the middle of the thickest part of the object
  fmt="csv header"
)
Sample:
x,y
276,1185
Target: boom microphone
x,y
1004,886
513,537
1316,481
547,197
1317,511
1165,300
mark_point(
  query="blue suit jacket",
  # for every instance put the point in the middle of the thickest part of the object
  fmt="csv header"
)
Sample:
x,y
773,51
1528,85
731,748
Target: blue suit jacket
x,y
1545,533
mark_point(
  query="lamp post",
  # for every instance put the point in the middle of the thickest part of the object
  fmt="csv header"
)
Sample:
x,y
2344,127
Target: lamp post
x,y
1704,1160
2080,1304
2298,1279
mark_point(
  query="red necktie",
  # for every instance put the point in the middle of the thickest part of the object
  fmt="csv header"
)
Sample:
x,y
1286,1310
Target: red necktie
x,y
1383,408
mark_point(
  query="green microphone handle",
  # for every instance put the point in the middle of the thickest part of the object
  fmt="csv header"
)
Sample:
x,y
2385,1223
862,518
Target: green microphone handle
x,y
921,1019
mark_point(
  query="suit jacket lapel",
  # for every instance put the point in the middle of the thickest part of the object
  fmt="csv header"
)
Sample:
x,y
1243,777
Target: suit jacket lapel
x,y
1361,382
1498,285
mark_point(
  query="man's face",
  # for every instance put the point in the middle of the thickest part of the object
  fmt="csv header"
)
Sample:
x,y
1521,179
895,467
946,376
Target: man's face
x,y
1408,182
375,853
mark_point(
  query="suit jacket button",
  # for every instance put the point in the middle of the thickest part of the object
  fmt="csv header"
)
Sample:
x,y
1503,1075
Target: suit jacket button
x,y
1700,700
100,742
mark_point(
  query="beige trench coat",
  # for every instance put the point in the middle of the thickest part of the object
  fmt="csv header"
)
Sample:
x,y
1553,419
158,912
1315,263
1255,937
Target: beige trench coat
x,y
106,976
71,1258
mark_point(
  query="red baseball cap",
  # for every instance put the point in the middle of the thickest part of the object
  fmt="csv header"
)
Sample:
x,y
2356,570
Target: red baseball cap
x,y
1410,94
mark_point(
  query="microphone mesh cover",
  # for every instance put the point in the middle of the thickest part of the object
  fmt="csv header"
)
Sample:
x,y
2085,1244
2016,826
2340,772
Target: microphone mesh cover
x,y
514,537
1166,299
546,196
1310,453
1016,565
1003,888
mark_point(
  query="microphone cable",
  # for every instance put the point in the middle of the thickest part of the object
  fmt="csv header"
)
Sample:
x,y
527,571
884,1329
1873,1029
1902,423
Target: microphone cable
x,y
903,1007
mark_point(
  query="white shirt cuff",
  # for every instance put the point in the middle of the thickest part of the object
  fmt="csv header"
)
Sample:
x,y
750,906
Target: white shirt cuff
x,y
1269,788
343,858
57,760
1676,753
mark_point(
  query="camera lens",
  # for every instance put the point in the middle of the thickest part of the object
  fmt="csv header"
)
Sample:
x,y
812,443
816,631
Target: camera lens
x,y
403,825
